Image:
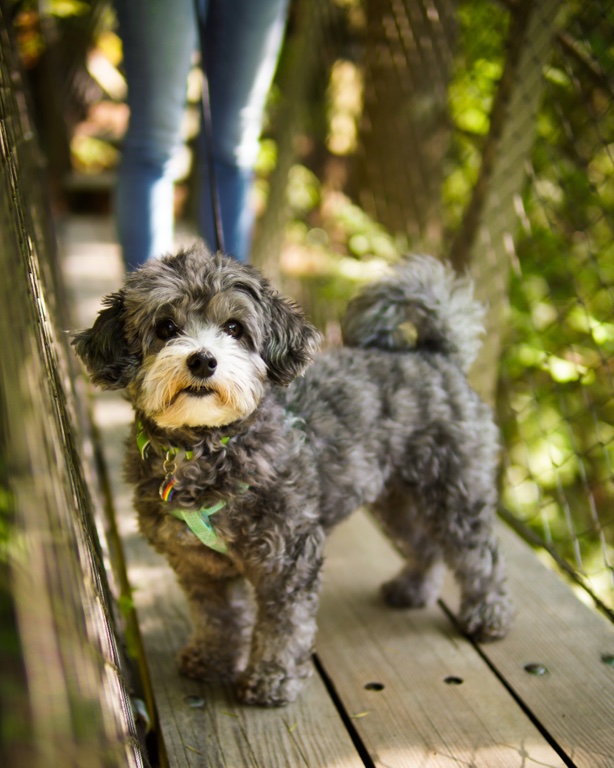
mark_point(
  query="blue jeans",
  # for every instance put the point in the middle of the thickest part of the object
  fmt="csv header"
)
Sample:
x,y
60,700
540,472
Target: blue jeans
x,y
242,39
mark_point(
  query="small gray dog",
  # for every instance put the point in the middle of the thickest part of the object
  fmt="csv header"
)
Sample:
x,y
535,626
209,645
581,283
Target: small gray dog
x,y
244,456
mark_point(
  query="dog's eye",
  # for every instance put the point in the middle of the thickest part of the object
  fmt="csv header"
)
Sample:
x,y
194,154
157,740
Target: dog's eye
x,y
233,328
166,329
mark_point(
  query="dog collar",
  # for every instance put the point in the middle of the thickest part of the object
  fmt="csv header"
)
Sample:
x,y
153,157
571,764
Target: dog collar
x,y
144,444
197,521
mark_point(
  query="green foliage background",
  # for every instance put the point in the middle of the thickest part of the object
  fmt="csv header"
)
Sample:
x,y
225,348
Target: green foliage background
x,y
555,400
556,396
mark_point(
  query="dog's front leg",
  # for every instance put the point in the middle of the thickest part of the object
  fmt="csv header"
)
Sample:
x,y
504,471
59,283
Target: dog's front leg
x,y
285,628
222,614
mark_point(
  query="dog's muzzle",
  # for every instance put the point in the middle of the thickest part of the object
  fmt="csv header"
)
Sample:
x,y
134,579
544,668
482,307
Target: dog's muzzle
x,y
201,364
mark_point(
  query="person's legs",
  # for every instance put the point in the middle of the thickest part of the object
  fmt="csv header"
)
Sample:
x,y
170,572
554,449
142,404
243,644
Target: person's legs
x,y
242,43
159,38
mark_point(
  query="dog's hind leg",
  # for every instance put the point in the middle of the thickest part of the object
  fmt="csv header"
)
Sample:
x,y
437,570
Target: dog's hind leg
x,y
486,611
461,525
419,582
453,479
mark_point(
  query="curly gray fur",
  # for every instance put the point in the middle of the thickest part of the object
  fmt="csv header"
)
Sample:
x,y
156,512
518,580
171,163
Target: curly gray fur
x,y
388,421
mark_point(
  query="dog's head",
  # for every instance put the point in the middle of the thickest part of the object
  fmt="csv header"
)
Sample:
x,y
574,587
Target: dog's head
x,y
194,338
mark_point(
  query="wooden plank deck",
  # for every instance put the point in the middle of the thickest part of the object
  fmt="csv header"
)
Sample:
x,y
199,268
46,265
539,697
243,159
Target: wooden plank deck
x,y
390,688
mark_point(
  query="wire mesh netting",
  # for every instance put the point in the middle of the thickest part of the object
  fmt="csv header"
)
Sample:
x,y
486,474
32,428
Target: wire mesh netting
x,y
484,132
63,693
556,394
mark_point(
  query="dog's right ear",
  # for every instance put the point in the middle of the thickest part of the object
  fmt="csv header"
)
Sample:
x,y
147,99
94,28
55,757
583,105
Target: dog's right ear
x,y
104,349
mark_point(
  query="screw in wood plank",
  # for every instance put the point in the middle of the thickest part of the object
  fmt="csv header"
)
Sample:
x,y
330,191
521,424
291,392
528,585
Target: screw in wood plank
x,y
196,702
374,687
453,680
536,669
608,658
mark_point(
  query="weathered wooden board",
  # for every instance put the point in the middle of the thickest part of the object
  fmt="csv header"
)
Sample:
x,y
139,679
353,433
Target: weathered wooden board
x,y
418,719
574,699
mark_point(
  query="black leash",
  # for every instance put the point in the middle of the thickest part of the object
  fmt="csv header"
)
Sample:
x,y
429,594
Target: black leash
x,y
207,128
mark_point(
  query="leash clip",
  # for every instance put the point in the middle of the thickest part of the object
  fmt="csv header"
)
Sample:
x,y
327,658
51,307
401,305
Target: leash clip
x,y
170,465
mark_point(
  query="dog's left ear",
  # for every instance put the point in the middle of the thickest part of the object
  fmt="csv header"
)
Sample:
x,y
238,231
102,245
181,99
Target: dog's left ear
x,y
291,344
104,348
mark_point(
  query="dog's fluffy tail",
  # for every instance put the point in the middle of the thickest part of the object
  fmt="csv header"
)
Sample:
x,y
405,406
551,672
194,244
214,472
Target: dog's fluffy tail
x,y
421,304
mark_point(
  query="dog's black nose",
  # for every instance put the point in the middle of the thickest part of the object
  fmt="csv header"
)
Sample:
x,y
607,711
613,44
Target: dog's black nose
x,y
201,364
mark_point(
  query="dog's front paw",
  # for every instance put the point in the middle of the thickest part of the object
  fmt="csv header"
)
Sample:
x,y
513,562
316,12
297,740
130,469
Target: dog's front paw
x,y
200,663
270,685
487,620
